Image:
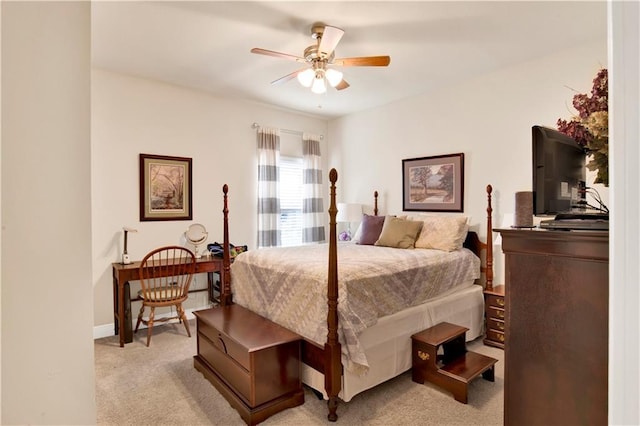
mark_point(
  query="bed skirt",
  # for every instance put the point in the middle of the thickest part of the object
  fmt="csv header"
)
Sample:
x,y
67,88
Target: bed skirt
x,y
387,344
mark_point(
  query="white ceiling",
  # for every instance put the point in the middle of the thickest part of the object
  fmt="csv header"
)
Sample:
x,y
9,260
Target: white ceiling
x,y
206,45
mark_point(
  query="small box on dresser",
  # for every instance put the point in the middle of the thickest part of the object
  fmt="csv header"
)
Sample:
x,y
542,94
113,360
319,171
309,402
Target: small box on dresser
x,y
494,302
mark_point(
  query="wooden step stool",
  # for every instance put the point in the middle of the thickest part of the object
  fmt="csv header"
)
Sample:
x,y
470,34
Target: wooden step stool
x,y
452,370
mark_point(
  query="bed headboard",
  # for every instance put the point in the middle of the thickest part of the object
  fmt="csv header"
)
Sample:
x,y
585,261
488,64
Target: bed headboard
x,y
472,241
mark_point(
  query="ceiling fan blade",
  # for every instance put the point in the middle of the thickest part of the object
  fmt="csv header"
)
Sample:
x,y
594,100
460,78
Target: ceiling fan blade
x,y
330,38
277,54
342,85
363,61
288,77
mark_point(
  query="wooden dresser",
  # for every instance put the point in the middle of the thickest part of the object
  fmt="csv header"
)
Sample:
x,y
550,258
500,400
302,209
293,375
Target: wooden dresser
x,y
253,362
494,305
556,327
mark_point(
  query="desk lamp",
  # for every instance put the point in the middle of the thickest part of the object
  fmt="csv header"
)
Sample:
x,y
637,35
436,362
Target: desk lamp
x,y
348,213
125,255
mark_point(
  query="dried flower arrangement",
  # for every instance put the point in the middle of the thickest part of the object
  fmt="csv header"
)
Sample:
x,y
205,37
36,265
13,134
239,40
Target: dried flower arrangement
x,y
590,128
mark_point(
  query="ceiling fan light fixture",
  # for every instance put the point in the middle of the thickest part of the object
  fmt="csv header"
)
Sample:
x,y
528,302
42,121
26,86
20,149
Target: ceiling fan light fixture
x,y
318,57
306,77
334,77
319,87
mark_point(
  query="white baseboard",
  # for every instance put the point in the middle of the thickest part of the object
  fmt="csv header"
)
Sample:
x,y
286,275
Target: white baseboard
x,y
106,330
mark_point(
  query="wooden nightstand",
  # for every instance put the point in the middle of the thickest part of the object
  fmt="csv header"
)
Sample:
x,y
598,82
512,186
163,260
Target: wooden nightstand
x,y
494,305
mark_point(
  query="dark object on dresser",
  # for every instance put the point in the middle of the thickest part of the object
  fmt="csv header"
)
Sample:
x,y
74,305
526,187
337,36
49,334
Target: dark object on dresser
x,y
556,327
253,362
494,304
455,367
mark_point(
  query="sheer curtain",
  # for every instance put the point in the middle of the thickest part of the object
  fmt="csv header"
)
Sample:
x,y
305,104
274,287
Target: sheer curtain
x,y
268,183
312,209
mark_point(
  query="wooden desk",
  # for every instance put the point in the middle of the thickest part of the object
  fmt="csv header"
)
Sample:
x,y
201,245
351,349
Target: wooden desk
x,y
123,274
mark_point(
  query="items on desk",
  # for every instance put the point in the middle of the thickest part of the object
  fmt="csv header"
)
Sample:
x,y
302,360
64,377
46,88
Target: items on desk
x,y
215,249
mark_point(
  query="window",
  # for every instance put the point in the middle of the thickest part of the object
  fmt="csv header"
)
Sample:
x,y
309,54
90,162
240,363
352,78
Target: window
x,y
291,200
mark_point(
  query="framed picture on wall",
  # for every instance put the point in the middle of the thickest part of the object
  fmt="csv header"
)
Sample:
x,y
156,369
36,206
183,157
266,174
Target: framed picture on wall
x,y
165,188
433,184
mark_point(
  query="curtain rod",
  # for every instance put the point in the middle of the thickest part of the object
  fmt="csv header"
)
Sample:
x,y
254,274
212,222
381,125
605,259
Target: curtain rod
x,y
291,132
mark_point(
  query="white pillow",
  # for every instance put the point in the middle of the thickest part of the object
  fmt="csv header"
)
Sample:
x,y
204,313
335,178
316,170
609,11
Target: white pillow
x,y
356,237
442,232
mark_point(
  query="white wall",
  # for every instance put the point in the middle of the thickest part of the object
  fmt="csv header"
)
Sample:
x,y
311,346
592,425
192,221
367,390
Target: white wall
x,y
488,118
624,271
47,346
131,116
1,221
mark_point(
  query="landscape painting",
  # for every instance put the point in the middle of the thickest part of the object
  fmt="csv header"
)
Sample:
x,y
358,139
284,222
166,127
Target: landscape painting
x,y
165,188
433,183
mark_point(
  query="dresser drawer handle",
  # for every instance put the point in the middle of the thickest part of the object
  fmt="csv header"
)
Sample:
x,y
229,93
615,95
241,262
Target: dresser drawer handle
x,y
500,302
501,337
423,355
500,314
224,346
501,327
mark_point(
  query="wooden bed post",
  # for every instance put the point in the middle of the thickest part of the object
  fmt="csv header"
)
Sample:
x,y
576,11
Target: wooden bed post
x,y
226,298
332,349
375,203
489,254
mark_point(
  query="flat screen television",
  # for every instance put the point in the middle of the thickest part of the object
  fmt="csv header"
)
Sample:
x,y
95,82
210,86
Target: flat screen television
x,y
559,172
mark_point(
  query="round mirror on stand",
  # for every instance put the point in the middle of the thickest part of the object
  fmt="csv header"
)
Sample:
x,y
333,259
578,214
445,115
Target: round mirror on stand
x,y
196,234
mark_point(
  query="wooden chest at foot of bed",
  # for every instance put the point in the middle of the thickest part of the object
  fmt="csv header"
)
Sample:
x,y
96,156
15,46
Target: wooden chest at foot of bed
x,y
253,362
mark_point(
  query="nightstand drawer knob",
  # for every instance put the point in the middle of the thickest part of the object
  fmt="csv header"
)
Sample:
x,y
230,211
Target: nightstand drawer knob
x,y
423,355
500,302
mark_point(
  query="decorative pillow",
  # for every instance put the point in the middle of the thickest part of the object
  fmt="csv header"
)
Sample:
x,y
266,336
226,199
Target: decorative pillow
x,y
442,232
399,233
356,237
371,228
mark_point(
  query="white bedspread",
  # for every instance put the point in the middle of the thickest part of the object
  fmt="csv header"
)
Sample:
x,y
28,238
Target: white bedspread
x,y
289,286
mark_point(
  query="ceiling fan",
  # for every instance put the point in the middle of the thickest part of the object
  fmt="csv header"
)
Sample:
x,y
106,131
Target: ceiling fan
x,y
320,60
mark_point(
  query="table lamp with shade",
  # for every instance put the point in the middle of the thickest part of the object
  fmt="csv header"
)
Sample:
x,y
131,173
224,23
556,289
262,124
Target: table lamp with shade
x,y
348,213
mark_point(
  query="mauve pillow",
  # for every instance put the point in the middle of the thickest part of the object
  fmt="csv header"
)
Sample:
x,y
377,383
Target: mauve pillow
x,y
371,229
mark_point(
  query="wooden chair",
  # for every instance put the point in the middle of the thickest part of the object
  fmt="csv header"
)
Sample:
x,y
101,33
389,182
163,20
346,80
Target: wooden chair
x,y
165,277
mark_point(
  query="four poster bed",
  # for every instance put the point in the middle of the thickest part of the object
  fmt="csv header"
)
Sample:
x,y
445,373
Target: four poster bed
x,y
357,329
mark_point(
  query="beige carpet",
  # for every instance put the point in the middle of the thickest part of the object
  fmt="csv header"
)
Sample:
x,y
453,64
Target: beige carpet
x,y
158,385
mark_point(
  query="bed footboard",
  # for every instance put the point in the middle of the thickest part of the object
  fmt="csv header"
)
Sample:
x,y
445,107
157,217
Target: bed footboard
x,y
327,359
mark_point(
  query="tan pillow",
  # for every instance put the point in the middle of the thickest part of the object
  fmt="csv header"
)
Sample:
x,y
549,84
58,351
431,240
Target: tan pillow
x,y
399,233
442,232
